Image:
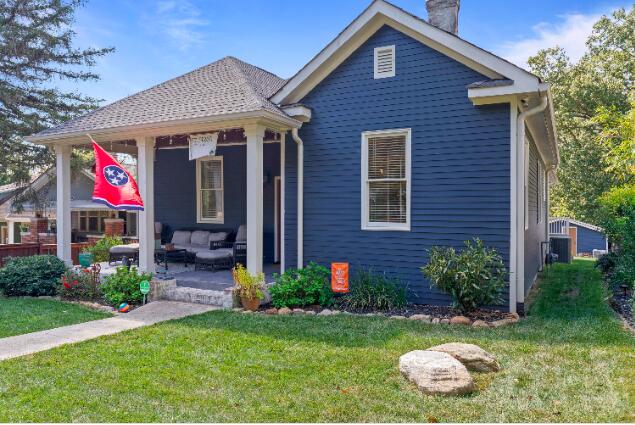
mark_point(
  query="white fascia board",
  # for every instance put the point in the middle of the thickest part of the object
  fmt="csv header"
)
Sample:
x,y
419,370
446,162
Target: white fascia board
x,y
381,13
486,95
268,118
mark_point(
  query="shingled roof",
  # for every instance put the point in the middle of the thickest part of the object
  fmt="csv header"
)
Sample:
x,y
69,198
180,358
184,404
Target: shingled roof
x,y
226,86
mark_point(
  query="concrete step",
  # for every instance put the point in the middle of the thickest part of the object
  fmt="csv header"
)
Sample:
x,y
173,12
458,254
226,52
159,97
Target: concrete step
x,y
168,290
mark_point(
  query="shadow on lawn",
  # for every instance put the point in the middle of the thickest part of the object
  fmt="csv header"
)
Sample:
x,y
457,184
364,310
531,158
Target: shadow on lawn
x,y
557,317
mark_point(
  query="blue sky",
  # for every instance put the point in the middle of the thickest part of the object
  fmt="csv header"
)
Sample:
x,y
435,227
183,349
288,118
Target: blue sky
x,y
158,40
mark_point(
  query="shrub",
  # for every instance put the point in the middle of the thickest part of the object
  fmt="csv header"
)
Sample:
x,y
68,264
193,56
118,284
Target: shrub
x,y
100,249
472,277
123,286
79,284
606,263
31,276
376,291
248,286
299,288
618,219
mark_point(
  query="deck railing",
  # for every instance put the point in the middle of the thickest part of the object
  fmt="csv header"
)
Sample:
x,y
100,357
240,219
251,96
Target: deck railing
x,y
559,226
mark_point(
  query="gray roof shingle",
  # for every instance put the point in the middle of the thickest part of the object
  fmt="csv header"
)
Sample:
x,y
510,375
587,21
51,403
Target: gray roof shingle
x,y
226,86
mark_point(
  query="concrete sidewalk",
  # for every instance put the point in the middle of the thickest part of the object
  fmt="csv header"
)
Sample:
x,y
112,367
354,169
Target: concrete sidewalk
x,y
149,314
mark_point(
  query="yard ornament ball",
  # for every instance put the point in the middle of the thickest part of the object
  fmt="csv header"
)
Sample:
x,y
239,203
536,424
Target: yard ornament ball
x,y
123,308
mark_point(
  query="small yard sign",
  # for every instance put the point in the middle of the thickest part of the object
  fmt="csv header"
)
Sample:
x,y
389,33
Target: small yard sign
x,y
144,288
203,145
339,277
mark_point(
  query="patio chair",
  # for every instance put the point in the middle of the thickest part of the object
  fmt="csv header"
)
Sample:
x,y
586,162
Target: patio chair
x,y
118,252
224,254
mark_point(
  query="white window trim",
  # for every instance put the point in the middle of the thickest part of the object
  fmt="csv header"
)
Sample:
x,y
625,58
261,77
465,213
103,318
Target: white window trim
x,y
376,73
366,225
200,219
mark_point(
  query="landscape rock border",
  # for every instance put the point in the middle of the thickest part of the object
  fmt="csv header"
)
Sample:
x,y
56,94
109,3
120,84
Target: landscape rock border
x,y
509,319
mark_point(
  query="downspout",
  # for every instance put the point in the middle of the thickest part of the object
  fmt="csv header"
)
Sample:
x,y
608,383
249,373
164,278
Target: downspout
x,y
300,184
520,239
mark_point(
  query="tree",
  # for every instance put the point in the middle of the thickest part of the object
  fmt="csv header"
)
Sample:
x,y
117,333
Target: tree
x,y
36,50
592,99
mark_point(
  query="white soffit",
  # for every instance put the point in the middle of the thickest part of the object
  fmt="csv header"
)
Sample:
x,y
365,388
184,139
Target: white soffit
x,y
381,13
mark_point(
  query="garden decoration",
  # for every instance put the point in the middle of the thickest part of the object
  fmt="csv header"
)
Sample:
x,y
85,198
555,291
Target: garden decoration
x,y
248,287
123,308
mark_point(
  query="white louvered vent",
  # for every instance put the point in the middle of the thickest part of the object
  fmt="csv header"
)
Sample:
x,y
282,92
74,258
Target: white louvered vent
x,y
384,62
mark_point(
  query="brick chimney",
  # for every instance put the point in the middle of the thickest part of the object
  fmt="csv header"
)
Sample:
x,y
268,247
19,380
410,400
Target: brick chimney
x,y
444,14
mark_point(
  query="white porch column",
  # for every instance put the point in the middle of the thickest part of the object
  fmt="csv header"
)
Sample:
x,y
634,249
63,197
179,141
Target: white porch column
x,y
10,232
283,135
63,202
255,135
145,168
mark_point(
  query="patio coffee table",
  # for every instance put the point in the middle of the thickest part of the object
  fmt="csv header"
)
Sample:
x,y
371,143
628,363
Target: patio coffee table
x,y
161,255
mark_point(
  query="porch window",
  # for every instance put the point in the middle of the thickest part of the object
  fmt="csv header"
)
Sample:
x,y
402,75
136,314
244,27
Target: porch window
x,y
386,180
209,188
90,221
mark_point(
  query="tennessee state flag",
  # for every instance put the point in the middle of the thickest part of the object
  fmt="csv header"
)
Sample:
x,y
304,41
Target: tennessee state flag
x,y
114,186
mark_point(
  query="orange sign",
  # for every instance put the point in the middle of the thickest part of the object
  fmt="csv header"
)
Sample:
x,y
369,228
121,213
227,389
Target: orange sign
x,y
339,277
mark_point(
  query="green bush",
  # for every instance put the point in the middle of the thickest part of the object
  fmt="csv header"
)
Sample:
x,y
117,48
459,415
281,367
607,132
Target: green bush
x,y
618,220
31,276
472,277
299,288
375,291
100,249
123,286
606,263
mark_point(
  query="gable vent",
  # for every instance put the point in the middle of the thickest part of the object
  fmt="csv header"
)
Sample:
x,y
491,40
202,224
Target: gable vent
x,y
384,62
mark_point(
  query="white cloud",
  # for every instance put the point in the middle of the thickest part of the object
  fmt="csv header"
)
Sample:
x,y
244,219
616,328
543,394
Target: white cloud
x,y
570,33
180,21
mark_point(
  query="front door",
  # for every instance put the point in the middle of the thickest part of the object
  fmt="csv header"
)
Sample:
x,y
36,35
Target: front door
x,y
573,233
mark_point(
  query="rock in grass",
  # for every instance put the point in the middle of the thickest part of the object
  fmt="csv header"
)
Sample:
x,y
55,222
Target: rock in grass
x,y
309,312
436,320
480,324
298,311
272,310
421,317
514,317
472,356
436,373
501,322
284,311
460,320
325,312
398,317
445,321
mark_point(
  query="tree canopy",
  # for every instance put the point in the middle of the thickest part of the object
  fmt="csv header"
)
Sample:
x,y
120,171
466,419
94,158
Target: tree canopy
x,y
594,101
36,51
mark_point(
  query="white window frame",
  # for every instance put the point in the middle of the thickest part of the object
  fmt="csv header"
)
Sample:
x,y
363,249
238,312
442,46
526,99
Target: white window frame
x,y
374,226
377,75
199,218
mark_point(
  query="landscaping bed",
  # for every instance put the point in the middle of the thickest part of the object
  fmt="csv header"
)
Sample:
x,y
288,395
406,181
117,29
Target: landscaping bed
x,y
622,303
570,360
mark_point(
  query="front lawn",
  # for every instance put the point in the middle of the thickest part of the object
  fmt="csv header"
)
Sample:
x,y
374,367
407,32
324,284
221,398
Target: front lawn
x,y
570,361
24,315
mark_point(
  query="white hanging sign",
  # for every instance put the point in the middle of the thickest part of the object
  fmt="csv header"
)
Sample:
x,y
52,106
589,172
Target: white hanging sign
x,y
203,145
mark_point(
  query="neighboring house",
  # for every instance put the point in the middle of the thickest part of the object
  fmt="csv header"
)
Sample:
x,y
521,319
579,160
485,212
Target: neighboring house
x,y
87,217
585,237
398,136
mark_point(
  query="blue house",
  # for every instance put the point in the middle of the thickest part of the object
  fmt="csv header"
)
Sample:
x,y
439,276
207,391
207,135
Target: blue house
x,y
586,239
397,136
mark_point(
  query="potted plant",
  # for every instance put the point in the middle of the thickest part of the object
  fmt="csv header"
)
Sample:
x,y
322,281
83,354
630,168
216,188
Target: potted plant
x,y
85,257
248,287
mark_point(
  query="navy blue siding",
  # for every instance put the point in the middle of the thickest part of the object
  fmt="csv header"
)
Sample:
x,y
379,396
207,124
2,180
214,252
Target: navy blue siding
x,y
537,229
588,240
460,163
175,190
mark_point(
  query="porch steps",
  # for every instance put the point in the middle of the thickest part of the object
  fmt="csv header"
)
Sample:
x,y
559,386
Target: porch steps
x,y
168,290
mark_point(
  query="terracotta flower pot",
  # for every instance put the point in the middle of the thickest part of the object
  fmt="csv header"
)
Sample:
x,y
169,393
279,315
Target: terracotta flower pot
x,y
250,304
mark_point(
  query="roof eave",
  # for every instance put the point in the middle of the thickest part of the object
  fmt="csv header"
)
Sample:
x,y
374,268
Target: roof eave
x,y
267,118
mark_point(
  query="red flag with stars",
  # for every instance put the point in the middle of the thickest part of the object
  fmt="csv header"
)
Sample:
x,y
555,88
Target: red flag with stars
x,y
114,186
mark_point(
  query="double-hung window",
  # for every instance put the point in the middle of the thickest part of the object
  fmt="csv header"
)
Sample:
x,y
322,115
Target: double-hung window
x,y
209,190
386,180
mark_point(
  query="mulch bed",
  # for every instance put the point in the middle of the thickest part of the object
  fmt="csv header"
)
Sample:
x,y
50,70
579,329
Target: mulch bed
x,y
622,303
441,312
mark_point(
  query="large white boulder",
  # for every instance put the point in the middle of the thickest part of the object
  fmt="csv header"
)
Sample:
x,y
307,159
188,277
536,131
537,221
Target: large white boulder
x,y
436,373
472,356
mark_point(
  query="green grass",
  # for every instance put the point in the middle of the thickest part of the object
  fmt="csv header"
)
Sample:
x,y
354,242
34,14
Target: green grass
x,y
570,361
24,315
